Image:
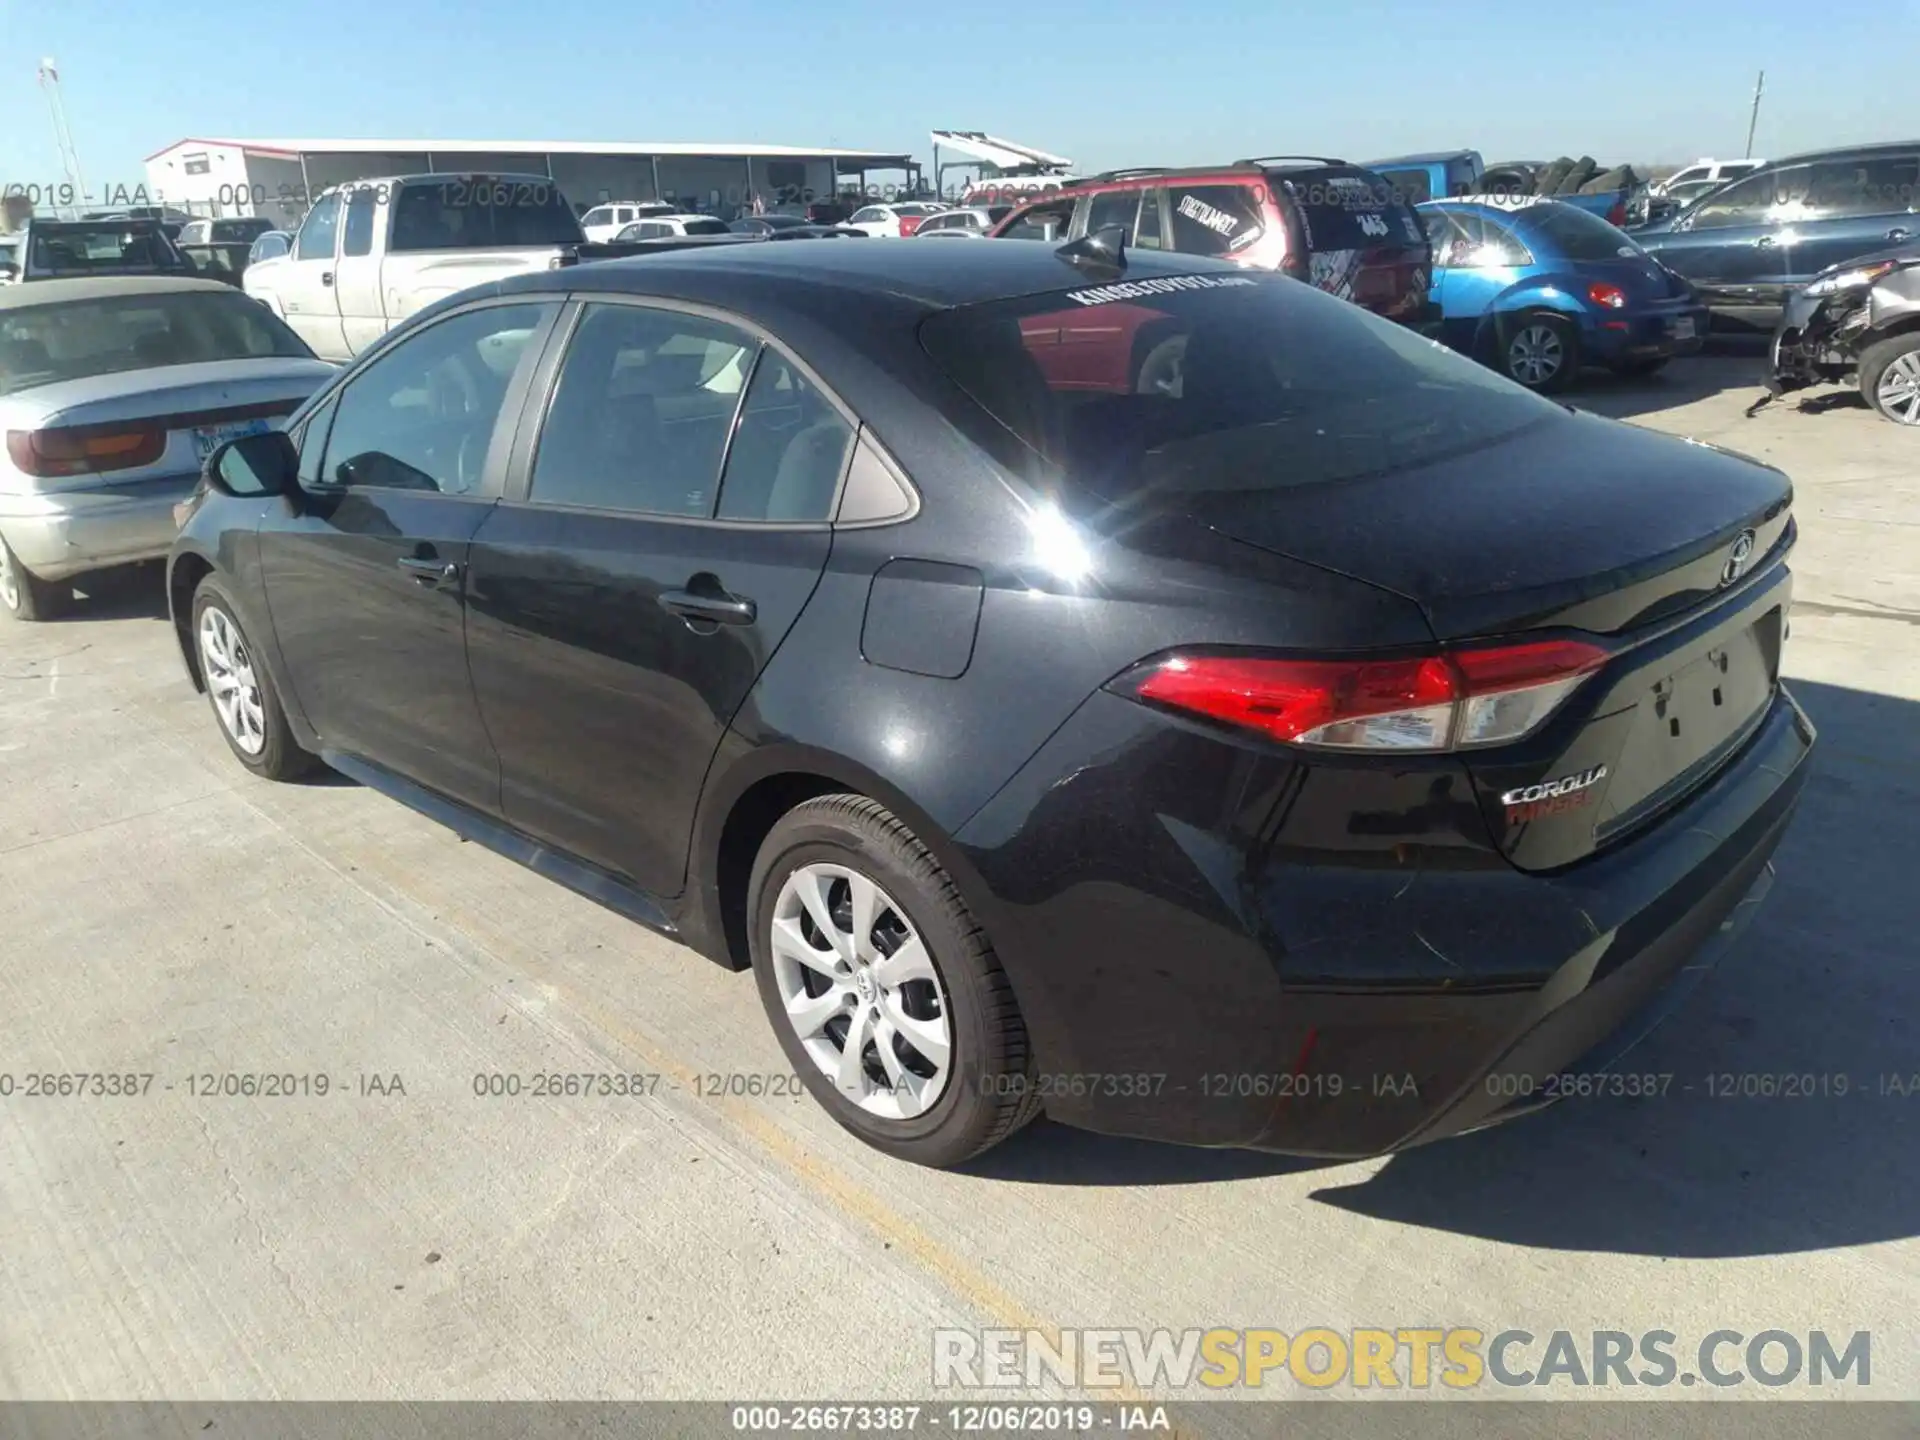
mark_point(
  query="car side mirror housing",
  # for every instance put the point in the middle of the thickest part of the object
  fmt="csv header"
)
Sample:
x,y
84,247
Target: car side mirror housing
x,y
255,465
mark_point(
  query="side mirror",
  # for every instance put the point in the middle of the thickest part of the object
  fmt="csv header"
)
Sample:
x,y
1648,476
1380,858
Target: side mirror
x,y
255,465
8,270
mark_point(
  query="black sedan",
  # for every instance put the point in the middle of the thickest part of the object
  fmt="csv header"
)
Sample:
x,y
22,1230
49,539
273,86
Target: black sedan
x,y
1119,685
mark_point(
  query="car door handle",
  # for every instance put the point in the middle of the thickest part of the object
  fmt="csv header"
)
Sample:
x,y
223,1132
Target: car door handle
x,y
1765,242
430,571
1899,232
720,608
326,277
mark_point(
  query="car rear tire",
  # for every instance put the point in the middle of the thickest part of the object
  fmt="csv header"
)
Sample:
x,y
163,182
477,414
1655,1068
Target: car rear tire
x,y
1540,351
241,692
1890,377
859,935
25,595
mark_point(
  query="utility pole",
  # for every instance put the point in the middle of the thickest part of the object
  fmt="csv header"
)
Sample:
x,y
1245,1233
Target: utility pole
x,y
62,136
1753,121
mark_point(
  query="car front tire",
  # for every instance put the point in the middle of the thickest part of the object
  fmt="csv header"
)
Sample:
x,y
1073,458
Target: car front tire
x,y
1890,377
245,706
860,938
25,595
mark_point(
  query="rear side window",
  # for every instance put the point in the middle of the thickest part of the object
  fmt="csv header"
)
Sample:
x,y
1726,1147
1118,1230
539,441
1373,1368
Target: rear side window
x,y
788,450
1350,209
1214,219
1275,385
1849,189
1114,207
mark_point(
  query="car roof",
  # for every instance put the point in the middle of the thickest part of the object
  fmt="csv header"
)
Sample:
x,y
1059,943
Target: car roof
x,y
105,287
1848,152
1432,157
931,275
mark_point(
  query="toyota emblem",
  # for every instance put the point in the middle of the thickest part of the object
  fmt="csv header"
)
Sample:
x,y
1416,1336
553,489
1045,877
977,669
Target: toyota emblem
x,y
1737,558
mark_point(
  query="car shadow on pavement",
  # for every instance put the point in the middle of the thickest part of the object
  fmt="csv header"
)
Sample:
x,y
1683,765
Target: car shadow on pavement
x,y
1727,365
136,593
1791,1118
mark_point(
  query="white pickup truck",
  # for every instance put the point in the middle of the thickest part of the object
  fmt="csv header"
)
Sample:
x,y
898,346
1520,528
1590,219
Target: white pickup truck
x,y
370,253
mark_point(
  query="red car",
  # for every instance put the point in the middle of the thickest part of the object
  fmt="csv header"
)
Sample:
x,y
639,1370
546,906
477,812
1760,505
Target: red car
x,y
1336,225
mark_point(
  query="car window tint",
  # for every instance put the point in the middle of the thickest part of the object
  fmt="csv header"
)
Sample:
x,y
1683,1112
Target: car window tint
x,y
359,223
317,231
1214,219
1042,222
640,416
1846,189
1274,384
1147,235
788,451
421,416
1114,207
312,441
1757,200
1577,234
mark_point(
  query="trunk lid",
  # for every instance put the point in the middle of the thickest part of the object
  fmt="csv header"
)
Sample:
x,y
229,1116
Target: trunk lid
x,y
1669,548
1575,521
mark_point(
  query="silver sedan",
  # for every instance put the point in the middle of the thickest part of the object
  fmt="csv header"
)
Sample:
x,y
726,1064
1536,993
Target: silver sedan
x,y
112,392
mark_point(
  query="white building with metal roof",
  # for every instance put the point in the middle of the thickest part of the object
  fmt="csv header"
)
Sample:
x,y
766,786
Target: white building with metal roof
x,y
278,178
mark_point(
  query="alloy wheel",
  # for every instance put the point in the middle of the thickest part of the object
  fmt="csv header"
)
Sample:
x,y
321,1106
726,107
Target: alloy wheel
x,y
860,989
1535,355
231,681
1899,389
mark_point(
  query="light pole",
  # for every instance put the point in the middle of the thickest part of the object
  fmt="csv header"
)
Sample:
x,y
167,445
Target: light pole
x,y
1753,120
62,136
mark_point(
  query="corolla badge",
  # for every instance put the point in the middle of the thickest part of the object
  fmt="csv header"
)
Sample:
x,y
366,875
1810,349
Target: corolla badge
x,y
1552,797
1738,558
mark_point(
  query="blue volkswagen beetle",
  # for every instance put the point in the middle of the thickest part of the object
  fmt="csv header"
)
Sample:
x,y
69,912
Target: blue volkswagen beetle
x,y
1539,289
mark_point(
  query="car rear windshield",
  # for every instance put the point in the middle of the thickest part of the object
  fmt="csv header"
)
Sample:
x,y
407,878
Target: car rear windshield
x,y
1350,209
1178,385
707,227
76,339
100,247
478,213
1579,234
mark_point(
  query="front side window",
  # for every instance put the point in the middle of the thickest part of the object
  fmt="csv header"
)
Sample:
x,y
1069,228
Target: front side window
x,y
1041,222
1483,243
1214,219
317,231
1760,199
788,451
640,416
869,216
602,215
80,339
421,416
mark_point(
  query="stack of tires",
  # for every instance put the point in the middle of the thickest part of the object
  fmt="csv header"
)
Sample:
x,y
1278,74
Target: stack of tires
x,y
1565,176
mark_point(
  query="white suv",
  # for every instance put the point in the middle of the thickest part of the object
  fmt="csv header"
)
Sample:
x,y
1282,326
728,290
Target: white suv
x,y
1707,168
603,222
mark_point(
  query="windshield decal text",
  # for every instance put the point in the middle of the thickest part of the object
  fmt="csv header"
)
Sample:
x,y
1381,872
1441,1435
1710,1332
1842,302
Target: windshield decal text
x,y
1171,284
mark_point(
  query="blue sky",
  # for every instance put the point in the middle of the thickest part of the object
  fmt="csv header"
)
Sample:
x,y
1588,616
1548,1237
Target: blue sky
x,y
1107,82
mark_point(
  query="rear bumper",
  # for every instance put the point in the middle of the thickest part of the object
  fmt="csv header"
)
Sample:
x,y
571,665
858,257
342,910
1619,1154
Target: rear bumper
x,y
1645,335
1324,1002
58,536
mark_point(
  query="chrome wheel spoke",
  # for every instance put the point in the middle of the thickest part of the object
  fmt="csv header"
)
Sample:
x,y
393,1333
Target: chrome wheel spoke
x,y
866,905
929,1037
810,1013
812,891
790,944
909,962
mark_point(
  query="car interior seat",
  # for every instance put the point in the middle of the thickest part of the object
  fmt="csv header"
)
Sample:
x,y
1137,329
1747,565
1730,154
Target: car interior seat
x,y
809,472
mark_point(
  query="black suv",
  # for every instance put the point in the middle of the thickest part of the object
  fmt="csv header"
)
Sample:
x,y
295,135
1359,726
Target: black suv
x,y
1338,225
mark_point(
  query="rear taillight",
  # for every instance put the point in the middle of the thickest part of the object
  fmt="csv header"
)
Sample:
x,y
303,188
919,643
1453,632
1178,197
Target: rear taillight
x,y
85,450
1611,296
1470,697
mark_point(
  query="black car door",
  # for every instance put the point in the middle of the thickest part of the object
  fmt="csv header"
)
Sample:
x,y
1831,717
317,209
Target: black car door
x,y
664,525
365,582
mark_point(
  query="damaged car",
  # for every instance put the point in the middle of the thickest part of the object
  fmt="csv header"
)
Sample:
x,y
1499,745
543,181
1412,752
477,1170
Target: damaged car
x,y
1856,322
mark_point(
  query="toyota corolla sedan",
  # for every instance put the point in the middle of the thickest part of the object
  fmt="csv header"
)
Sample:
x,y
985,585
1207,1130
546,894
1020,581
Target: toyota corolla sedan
x,y
1319,748
113,390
